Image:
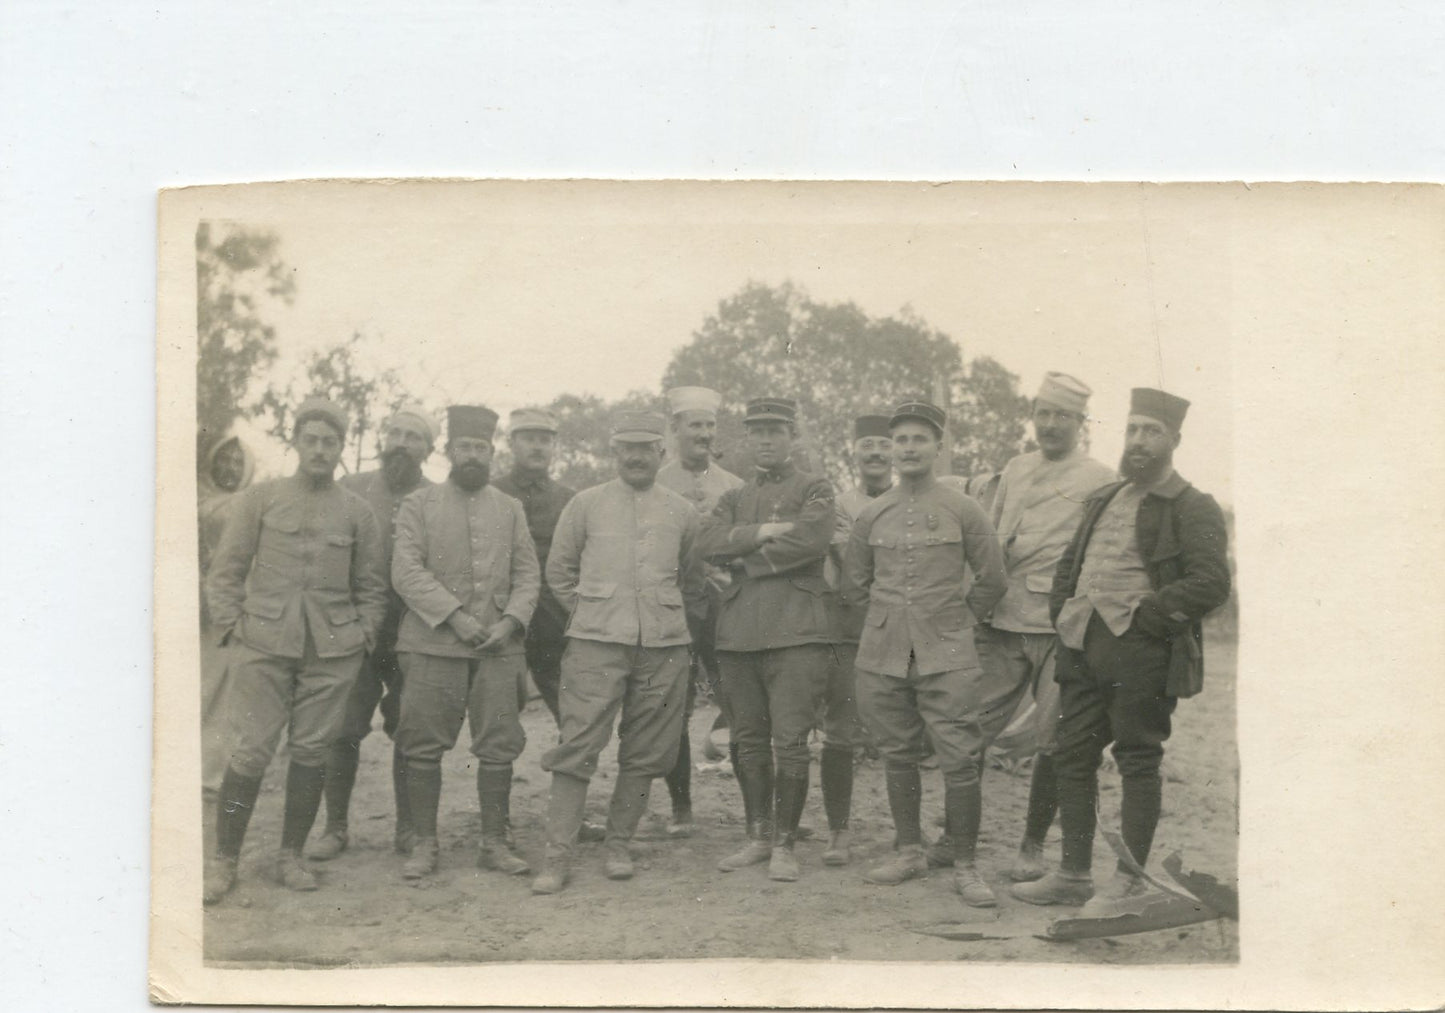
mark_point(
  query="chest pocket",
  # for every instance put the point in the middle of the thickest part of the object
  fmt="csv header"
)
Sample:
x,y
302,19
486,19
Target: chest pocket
x,y
336,558
279,546
947,532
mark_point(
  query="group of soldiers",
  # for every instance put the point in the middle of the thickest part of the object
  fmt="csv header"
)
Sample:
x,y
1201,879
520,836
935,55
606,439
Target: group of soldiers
x,y
904,611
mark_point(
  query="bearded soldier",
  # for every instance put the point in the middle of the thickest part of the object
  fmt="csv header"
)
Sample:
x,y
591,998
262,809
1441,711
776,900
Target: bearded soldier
x,y
1147,563
465,566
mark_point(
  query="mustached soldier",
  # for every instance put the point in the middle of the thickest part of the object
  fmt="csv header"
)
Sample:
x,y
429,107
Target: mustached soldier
x,y
697,477
623,563
297,587
918,674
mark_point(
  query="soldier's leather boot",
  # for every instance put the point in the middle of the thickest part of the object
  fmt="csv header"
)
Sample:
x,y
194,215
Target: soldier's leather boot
x,y
782,863
556,868
970,886
291,873
619,861
422,861
908,862
624,812
1058,887
494,786
495,854
839,850
1028,864
941,852
836,777
759,848
220,876
1114,897
423,789
332,842
792,793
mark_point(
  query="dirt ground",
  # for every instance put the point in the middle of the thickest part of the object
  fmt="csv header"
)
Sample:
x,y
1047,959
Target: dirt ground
x,y
678,905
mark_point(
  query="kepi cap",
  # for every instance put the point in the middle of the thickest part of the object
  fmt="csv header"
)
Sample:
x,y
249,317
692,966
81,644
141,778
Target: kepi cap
x,y
919,411
771,409
418,414
534,419
1157,404
870,425
320,408
471,422
1064,391
638,427
693,399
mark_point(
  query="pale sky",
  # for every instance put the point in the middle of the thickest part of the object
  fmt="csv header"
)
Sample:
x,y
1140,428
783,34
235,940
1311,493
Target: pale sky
x,y
509,297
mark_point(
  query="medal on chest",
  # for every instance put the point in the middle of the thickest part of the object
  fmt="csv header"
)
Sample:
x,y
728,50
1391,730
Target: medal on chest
x,y
932,521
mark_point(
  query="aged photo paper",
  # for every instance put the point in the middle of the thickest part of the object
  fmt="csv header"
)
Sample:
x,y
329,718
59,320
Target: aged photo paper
x,y
590,298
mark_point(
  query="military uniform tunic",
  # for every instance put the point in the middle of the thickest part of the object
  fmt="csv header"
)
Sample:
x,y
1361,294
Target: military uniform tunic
x,y
778,620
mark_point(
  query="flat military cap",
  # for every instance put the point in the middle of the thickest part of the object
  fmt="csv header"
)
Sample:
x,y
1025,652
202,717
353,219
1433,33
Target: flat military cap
x,y
1157,404
771,409
870,425
693,399
919,411
638,427
1064,391
534,419
470,422
319,408
418,414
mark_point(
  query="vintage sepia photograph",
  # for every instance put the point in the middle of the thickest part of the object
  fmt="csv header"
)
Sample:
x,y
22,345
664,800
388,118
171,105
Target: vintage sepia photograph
x,y
819,571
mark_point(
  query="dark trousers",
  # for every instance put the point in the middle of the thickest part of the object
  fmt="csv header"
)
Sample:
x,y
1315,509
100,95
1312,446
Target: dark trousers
x,y
1111,692
379,682
773,698
546,641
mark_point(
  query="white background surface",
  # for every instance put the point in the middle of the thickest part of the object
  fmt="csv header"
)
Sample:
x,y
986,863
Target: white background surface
x,y
101,104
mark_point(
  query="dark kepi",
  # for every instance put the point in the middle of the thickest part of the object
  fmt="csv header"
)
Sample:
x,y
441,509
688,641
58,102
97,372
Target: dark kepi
x,y
1157,404
919,411
771,409
870,425
471,422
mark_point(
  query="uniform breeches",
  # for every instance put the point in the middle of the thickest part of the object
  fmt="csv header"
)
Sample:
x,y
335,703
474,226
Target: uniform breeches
x,y
216,731
545,643
959,712
270,693
774,697
1113,692
378,682
1028,658
840,705
648,685
437,692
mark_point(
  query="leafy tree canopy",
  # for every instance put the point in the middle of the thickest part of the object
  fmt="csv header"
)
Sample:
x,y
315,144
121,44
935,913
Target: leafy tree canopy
x,y
238,271
838,363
